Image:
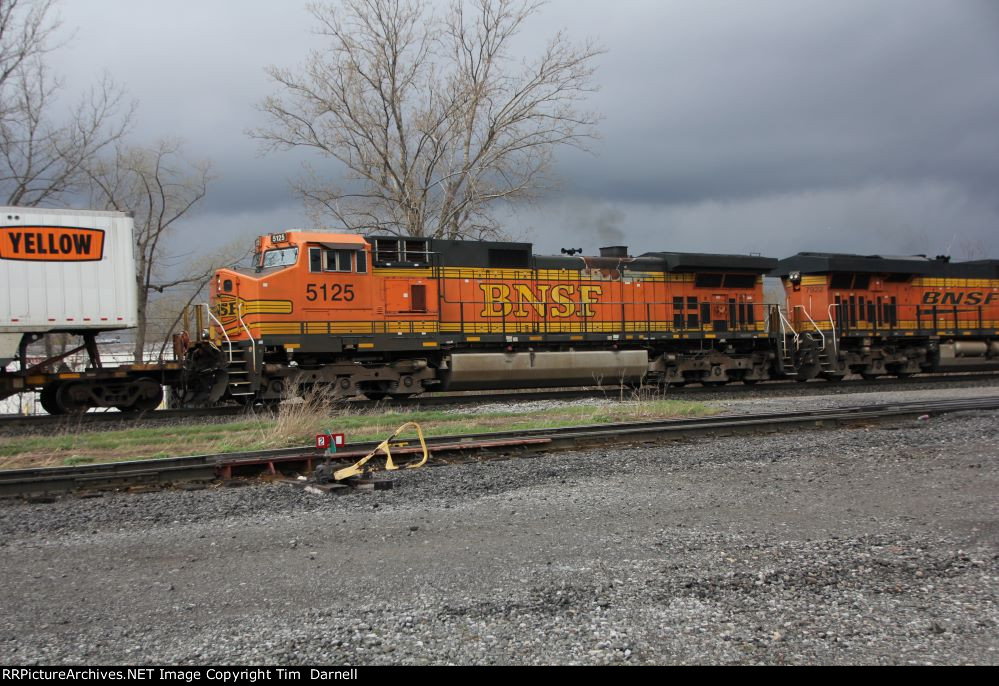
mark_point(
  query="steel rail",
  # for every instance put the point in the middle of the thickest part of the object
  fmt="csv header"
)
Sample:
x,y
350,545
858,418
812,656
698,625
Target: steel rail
x,y
53,480
776,387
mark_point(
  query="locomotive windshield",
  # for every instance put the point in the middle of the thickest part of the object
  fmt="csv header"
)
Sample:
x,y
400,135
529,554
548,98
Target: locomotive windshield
x,y
279,258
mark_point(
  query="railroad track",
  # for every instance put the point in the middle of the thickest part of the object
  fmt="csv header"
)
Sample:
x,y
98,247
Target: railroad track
x,y
50,481
12,423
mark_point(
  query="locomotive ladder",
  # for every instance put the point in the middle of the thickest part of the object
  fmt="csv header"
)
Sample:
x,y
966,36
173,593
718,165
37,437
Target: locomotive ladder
x,y
788,366
239,373
238,368
825,363
240,383
791,342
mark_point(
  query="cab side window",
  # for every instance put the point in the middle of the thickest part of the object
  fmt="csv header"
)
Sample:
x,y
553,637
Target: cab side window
x,y
338,260
330,260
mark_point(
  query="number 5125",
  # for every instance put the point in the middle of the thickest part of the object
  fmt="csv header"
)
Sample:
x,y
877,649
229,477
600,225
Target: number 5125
x,y
333,292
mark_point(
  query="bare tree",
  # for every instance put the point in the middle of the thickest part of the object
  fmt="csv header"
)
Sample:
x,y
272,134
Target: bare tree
x,y
25,34
435,119
45,143
159,187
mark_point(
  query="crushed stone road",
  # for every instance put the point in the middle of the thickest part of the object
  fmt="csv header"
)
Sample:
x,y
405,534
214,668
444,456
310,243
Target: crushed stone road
x,y
868,544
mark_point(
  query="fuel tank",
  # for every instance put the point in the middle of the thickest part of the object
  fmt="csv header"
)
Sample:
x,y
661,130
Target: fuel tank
x,y
968,355
473,371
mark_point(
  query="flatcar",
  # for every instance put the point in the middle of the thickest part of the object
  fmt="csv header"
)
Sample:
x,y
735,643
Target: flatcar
x,y
388,316
876,315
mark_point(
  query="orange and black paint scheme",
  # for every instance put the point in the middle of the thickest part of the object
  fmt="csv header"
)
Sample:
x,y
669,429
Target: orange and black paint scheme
x,y
889,315
391,316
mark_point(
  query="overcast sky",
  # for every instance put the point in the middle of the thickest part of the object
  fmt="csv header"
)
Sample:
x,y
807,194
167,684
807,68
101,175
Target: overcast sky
x,y
766,126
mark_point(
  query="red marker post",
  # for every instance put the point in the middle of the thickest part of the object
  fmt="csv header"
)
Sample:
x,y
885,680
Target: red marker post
x,y
329,442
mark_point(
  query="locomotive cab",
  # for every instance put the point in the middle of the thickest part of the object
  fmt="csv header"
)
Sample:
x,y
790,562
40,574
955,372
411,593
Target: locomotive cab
x,y
325,277
300,284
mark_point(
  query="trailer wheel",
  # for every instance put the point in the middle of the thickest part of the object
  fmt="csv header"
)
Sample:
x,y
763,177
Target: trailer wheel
x,y
149,395
65,401
47,398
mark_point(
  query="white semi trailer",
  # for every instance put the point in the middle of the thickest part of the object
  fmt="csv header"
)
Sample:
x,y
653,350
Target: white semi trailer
x,y
71,272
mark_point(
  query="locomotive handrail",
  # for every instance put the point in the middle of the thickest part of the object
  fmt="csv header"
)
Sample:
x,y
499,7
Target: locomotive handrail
x,y
814,325
835,333
221,328
784,321
253,344
782,341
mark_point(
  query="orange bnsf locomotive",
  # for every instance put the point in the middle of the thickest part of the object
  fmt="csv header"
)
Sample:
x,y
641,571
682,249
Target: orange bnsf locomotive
x,y
389,316
875,315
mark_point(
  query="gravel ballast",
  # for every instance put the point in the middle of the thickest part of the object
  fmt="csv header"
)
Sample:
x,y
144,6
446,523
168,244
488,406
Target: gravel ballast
x,y
868,544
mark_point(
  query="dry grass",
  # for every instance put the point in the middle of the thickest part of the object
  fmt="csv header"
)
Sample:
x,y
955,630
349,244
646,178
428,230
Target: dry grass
x,y
297,423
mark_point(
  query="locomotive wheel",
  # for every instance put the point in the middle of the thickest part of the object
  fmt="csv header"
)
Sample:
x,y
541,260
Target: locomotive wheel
x,y
380,391
897,370
869,377
253,402
48,400
833,378
750,382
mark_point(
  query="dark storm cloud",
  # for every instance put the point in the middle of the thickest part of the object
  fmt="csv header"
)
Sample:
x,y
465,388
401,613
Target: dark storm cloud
x,y
723,100
770,126
785,126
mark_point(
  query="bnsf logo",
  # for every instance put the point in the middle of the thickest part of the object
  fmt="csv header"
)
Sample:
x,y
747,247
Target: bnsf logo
x,y
519,300
51,244
969,298
227,308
